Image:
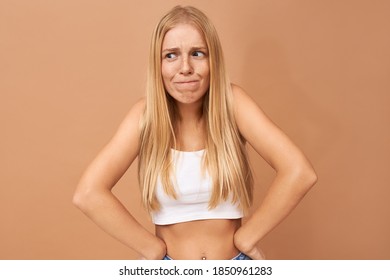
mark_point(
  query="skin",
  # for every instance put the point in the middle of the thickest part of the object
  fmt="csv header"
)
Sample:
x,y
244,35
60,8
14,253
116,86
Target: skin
x,y
185,72
185,65
186,76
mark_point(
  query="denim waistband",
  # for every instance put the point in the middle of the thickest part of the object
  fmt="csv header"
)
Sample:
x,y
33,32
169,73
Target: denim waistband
x,y
239,257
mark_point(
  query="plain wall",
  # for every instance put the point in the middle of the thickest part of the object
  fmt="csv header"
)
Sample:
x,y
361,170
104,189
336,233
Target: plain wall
x,y
70,70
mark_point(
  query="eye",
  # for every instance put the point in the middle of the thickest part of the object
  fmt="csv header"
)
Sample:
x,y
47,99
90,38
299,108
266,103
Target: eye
x,y
198,54
170,55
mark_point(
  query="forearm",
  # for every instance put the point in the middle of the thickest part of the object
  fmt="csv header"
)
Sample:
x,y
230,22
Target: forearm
x,y
285,192
108,213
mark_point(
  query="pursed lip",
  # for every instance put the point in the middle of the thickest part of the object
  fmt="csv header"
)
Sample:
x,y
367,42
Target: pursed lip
x,y
187,82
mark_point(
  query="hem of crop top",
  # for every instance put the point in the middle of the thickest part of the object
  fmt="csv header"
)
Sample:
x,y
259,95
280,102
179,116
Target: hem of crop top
x,y
204,216
183,219
197,152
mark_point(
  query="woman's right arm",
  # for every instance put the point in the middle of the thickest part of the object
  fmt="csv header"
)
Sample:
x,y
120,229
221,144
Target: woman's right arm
x,y
93,195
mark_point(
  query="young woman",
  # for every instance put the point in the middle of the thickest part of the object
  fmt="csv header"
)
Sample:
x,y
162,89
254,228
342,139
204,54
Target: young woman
x,y
189,135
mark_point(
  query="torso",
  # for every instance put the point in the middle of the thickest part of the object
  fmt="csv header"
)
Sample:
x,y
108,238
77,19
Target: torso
x,y
199,239
202,239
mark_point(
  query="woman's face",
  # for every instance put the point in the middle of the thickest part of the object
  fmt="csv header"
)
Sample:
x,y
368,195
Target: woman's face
x,y
185,64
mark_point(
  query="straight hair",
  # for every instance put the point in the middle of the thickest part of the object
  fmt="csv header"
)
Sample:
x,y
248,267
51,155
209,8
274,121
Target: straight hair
x,y
225,157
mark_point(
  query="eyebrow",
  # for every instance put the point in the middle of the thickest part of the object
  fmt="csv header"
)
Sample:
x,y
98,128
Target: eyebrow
x,y
176,49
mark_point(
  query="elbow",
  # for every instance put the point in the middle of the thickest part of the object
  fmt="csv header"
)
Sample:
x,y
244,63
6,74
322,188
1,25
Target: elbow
x,y
301,175
78,199
307,176
82,199
314,178
88,197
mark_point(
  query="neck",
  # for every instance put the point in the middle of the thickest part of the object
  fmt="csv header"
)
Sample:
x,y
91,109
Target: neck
x,y
190,128
190,113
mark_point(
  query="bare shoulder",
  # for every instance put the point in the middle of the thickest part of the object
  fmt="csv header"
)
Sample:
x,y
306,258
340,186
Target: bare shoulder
x,y
131,122
126,139
136,111
246,111
238,92
262,133
128,132
241,99
139,106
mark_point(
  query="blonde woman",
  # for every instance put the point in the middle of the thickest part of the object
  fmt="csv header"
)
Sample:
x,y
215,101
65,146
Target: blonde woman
x,y
189,134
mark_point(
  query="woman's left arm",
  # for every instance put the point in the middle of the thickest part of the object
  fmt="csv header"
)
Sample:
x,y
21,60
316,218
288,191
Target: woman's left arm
x,y
294,173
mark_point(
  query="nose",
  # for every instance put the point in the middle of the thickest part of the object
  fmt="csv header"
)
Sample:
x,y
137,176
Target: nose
x,y
186,66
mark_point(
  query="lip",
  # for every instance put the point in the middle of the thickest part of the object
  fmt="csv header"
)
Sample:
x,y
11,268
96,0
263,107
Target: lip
x,y
187,85
187,82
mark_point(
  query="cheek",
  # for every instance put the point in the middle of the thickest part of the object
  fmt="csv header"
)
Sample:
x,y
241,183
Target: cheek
x,y
164,71
205,69
166,77
206,73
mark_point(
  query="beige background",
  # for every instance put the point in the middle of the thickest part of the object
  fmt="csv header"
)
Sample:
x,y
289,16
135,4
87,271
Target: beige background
x,y
70,70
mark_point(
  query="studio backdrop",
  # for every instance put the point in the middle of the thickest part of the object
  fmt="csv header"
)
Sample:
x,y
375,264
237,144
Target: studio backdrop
x,y
70,70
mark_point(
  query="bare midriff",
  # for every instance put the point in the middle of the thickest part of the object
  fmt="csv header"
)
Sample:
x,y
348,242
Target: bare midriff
x,y
200,240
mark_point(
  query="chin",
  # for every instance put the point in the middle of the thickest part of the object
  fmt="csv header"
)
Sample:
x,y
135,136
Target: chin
x,y
187,97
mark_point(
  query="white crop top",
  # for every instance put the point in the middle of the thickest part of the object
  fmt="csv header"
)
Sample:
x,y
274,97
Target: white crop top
x,y
193,194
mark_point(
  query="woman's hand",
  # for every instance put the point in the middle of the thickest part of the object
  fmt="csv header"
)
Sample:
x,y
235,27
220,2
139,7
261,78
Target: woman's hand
x,y
156,251
256,254
245,243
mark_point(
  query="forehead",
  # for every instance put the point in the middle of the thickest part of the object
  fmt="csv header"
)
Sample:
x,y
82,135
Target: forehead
x,y
182,35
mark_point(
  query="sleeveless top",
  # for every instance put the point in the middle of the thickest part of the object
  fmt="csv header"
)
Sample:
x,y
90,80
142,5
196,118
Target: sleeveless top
x,y
193,191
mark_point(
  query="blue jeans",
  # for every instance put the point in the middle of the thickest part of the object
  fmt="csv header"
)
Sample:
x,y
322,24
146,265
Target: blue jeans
x,y
239,257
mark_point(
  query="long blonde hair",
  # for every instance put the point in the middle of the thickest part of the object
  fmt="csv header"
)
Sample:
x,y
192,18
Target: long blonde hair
x,y
225,158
